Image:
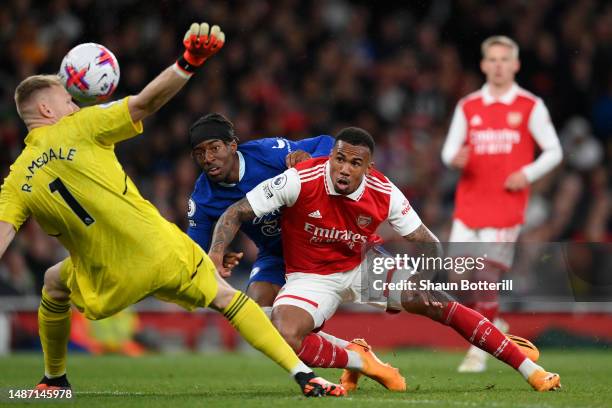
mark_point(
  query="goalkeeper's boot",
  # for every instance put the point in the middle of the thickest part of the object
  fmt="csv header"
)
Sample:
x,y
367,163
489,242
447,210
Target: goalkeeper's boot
x,y
57,383
350,377
318,387
388,376
542,380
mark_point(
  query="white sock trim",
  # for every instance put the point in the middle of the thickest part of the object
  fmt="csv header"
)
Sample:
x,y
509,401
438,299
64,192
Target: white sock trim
x,y
300,368
334,340
354,360
528,367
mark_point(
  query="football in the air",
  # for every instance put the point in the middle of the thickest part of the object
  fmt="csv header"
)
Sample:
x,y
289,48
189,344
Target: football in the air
x,y
90,73
526,347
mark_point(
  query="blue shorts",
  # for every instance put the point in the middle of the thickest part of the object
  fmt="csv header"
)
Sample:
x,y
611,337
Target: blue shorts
x,y
268,268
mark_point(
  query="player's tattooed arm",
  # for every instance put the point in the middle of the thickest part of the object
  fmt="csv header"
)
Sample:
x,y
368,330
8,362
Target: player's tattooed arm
x,y
426,243
228,225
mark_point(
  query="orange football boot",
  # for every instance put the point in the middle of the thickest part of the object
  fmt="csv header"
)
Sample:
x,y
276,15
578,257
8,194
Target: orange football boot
x,y
542,380
349,378
383,373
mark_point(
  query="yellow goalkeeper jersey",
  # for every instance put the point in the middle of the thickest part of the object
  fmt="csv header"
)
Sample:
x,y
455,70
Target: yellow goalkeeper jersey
x,y
69,179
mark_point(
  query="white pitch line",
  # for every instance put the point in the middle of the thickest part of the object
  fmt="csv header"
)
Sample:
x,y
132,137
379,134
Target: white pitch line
x,y
118,393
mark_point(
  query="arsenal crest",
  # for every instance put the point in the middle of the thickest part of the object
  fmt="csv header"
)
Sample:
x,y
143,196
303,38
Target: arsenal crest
x,y
363,221
514,118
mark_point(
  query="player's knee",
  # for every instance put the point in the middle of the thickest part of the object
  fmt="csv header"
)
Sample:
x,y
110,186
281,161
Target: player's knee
x,y
424,303
411,301
289,331
292,336
53,285
263,293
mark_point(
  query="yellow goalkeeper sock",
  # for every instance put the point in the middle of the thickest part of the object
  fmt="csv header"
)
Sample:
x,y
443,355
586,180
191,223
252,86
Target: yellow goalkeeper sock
x,y
54,331
255,327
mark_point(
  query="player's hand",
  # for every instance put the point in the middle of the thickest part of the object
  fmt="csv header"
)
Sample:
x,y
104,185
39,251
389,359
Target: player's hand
x,y
230,260
217,260
516,181
461,159
296,157
202,42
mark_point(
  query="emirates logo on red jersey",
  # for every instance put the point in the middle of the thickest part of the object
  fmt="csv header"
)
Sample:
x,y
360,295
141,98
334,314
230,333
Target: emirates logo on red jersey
x,y
363,221
333,235
514,119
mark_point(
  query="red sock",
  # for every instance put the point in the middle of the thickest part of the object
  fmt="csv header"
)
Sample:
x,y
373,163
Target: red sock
x,y
476,329
318,352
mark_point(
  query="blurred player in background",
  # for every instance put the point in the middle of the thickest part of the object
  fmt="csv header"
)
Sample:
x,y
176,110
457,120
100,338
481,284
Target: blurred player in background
x,y
332,208
492,139
229,172
121,249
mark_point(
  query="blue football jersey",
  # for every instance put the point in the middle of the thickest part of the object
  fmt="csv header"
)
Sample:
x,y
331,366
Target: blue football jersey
x,y
259,160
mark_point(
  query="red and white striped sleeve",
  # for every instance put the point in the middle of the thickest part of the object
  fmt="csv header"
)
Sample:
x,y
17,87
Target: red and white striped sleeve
x,y
402,217
275,192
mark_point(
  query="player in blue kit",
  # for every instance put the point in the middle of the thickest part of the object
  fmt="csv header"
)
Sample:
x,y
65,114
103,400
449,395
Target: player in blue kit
x,y
229,171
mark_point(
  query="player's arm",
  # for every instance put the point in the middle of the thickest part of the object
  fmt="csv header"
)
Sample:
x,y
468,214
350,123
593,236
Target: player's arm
x,y
200,44
7,233
544,133
114,122
200,231
13,212
319,146
406,222
454,152
268,196
226,229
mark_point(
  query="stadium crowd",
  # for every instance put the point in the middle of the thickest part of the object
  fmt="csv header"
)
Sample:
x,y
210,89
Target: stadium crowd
x,y
298,68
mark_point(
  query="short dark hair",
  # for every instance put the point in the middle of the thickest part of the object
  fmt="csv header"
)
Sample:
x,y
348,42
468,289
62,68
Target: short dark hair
x,y
211,126
357,137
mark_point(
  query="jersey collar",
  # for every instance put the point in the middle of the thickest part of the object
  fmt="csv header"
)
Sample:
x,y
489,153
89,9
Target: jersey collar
x,y
329,186
241,170
506,98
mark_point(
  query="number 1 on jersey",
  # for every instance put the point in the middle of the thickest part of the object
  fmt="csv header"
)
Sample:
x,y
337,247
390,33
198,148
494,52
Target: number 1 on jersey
x,y
58,185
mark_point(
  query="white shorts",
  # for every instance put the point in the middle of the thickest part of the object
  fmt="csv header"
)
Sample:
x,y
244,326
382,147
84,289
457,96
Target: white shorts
x,y
500,248
320,295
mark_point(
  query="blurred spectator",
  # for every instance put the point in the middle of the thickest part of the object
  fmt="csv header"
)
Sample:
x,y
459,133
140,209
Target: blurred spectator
x,y
299,68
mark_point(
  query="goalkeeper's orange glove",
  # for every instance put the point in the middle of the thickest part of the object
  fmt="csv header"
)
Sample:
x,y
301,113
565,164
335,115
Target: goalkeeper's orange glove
x,y
200,44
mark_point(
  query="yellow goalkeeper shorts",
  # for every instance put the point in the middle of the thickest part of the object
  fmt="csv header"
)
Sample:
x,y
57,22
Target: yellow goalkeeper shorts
x,y
185,276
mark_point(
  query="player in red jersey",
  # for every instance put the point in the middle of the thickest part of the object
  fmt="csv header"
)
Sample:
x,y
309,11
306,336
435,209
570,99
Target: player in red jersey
x,y
331,210
492,140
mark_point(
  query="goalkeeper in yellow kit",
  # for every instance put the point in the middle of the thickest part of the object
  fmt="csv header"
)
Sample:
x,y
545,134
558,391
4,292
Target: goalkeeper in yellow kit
x,y
121,249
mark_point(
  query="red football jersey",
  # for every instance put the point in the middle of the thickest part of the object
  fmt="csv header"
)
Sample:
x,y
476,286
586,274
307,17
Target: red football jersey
x,y
500,134
324,232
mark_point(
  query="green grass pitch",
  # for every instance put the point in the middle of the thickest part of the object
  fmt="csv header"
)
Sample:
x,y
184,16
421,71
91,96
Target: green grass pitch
x,y
249,380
